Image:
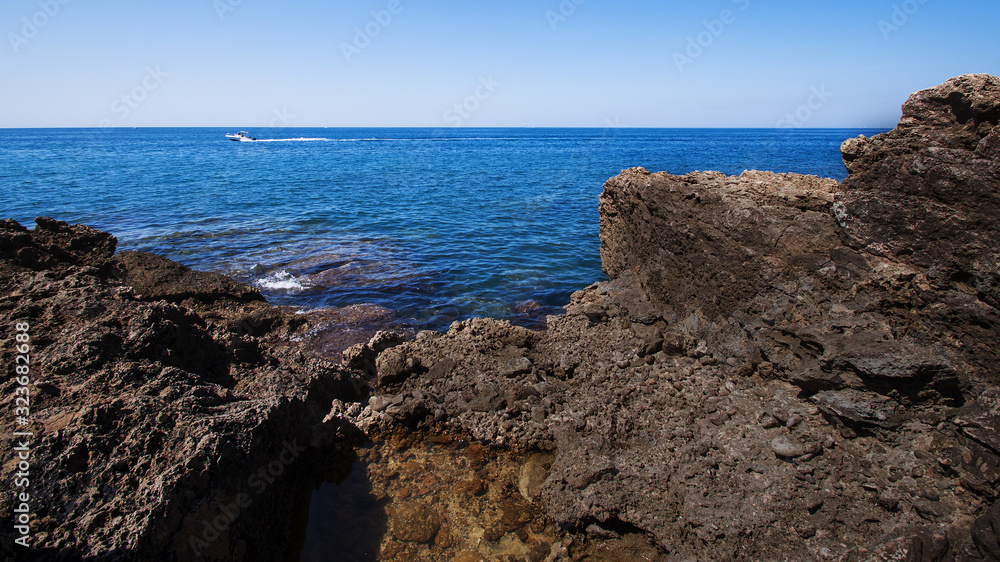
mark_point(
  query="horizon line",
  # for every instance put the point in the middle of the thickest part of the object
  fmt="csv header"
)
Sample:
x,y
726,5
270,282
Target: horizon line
x,y
453,128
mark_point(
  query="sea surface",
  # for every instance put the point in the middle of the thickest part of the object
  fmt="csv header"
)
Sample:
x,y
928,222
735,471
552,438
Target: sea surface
x,y
434,225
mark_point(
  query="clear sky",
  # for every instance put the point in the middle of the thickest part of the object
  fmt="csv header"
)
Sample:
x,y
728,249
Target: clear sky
x,y
483,63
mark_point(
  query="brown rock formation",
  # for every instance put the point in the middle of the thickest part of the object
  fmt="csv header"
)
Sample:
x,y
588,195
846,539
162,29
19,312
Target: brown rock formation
x,y
780,367
159,433
890,288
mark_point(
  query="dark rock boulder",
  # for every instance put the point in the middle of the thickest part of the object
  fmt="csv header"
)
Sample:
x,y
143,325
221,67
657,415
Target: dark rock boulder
x,y
887,281
986,535
928,192
708,242
52,243
157,278
754,267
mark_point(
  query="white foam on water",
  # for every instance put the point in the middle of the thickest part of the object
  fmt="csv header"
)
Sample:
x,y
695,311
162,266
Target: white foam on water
x,y
323,139
281,281
300,139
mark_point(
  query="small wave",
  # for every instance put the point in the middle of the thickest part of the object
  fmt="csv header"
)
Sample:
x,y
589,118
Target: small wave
x,y
281,281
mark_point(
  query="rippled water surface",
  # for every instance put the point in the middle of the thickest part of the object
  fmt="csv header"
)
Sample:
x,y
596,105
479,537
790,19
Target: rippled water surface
x,y
434,224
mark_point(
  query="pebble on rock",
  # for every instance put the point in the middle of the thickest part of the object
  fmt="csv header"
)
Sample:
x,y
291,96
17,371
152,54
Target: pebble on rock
x,y
785,446
415,523
813,502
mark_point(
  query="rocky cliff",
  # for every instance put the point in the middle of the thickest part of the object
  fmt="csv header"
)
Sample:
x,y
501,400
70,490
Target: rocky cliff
x,y
779,367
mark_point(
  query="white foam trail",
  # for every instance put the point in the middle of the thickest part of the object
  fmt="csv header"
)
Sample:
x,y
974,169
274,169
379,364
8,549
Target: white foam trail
x,y
322,139
281,281
300,139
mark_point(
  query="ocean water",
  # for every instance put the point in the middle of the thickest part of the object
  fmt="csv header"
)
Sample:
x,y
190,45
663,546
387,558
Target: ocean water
x,y
435,225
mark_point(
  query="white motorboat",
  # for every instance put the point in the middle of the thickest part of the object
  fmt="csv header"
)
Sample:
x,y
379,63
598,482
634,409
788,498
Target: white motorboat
x,y
241,136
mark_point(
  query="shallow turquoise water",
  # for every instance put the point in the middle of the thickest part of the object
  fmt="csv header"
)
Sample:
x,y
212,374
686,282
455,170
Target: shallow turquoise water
x,y
434,224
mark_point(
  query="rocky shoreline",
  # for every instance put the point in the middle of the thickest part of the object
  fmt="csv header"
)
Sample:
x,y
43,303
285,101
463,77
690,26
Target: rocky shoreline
x,y
779,367
162,398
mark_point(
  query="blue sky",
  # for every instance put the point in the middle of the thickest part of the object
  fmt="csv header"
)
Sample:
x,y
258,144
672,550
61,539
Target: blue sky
x,y
578,63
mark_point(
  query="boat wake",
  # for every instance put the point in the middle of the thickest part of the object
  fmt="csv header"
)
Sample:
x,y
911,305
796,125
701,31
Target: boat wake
x,y
300,139
424,139
323,139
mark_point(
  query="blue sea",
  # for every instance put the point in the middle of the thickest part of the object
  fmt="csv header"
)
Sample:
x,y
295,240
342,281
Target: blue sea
x,y
434,225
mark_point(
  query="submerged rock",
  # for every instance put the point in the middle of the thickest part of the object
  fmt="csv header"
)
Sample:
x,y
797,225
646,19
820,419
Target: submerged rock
x,y
415,522
156,278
